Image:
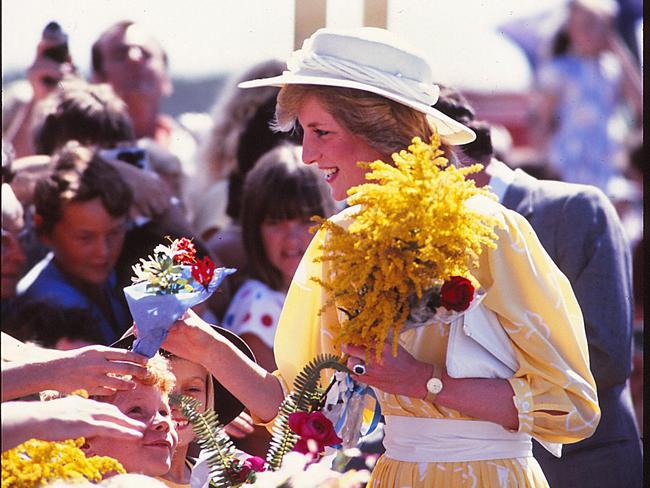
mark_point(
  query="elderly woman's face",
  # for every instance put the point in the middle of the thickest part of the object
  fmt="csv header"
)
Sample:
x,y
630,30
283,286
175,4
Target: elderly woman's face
x,y
152,454
333,148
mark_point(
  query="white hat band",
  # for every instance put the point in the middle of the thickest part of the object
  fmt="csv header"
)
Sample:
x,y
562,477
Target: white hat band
x,y
308,63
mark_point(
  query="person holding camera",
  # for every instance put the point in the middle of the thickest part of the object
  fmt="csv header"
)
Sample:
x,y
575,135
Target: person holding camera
x,y
51,66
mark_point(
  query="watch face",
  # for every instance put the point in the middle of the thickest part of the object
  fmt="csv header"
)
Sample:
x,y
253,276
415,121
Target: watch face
x,y
434,385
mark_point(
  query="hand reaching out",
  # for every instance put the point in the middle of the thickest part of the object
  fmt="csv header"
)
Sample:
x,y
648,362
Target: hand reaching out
x,y
91,368
65,418
189,335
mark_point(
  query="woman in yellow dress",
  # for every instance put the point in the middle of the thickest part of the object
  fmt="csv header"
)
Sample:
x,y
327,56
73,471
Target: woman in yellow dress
x,y
362,95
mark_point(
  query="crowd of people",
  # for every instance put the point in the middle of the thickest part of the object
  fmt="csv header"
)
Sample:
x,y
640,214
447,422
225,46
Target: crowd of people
x,y
94,176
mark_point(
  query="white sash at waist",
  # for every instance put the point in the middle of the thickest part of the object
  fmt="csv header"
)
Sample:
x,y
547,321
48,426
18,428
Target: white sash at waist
x,y
427,440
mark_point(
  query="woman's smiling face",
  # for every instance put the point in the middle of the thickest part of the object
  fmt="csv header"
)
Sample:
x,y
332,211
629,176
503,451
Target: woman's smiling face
x,y
333,148
152,454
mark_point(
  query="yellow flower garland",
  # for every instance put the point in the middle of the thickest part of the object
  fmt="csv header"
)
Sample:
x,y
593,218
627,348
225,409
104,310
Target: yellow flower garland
x,y
37,462
413,231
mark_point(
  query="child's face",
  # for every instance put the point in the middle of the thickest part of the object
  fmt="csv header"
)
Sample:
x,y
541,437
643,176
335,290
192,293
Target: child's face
x,y
87,241
191,380
285,242
152,454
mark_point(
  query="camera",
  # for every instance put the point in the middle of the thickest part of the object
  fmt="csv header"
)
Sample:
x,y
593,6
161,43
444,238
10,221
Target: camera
x,y
54,33
133,155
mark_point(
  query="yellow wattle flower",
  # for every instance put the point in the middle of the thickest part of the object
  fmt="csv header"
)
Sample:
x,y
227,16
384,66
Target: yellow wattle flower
x,y
37,462
413,231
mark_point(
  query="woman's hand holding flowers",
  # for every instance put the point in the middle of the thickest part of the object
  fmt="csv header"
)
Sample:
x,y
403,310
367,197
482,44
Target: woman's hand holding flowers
x,y
189,336
399,375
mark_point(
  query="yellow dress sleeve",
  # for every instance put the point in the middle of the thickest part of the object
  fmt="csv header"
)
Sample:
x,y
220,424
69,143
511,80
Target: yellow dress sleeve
x,y
297,338
555,392
303,332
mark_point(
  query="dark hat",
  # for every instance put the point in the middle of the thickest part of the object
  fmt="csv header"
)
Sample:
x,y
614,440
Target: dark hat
x,y
225,405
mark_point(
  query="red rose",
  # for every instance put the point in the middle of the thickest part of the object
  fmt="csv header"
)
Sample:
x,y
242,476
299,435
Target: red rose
x,y
309,447
456,294
185,251
203,271
313,426
253,463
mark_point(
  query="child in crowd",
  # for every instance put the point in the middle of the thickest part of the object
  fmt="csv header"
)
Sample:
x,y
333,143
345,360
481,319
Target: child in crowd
x,y
280,196
193,380
590,76
52,326
148,403
81,213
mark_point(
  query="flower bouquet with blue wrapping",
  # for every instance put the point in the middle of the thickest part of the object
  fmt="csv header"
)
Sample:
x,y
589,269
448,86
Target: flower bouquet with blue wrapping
x,y
165,285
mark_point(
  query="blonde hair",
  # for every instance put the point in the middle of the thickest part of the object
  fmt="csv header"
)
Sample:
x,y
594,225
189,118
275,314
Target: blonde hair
x,y
159,375
387,126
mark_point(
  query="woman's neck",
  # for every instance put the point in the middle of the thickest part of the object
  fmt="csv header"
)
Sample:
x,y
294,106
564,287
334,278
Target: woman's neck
x,y
179,472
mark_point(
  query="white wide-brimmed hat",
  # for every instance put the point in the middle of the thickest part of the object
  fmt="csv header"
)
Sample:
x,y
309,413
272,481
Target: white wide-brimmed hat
x,y
373,60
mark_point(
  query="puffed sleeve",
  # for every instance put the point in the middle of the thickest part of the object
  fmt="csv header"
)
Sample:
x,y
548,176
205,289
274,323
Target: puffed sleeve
x,y
555,392
297,339
303,330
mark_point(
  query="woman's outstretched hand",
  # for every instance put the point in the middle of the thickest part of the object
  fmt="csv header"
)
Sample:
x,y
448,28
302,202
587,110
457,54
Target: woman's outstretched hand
x,y
66,418
93,368
97,369
190,337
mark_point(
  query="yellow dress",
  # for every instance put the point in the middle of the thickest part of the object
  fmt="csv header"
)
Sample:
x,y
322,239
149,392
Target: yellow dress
x,y
537,309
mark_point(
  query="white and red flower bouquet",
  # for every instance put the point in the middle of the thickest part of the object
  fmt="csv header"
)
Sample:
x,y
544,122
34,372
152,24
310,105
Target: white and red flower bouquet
x,y
166,284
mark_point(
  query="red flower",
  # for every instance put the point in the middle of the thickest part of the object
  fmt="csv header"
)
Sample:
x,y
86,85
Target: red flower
x,y
203,271
185,251
313,426
456,294
253,463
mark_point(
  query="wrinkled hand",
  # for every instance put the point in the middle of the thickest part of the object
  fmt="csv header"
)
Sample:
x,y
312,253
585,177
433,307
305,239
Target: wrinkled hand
x,y
241,426
67,418
190,337
89,367
399,375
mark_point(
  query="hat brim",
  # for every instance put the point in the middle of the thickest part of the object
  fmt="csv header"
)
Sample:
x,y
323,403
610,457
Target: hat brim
x,y
451,131
226,405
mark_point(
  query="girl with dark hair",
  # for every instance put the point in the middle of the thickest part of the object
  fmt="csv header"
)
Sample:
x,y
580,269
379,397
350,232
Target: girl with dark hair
x,y
280,196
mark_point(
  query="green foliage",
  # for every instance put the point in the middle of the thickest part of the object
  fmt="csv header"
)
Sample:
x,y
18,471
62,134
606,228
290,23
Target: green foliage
x,y
164,276
212,438
305,397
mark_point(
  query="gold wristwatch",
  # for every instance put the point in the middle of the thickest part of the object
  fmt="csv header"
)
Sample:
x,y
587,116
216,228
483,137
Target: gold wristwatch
x,y
434,384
